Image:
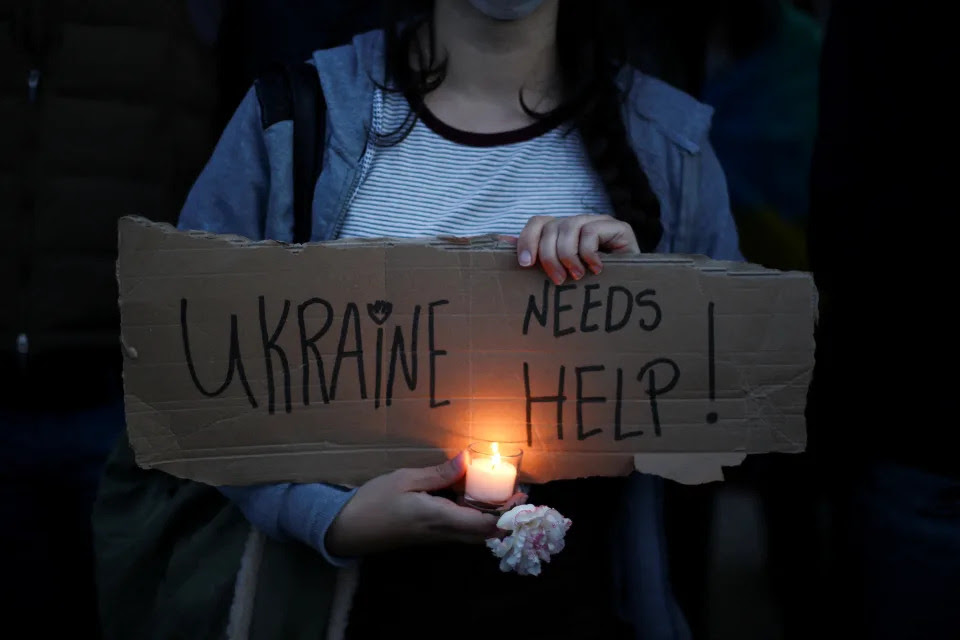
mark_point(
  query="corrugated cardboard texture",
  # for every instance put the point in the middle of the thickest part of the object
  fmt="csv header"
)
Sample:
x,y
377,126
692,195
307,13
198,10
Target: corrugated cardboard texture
x,y
257,362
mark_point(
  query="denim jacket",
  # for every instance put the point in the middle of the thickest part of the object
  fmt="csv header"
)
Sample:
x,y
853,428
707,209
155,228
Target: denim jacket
x,y
247,189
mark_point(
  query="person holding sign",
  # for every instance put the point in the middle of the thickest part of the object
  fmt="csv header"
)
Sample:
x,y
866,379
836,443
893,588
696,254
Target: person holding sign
x,y
462,117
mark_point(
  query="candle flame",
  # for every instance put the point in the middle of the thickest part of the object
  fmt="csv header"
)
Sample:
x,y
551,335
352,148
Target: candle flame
x,y
496,454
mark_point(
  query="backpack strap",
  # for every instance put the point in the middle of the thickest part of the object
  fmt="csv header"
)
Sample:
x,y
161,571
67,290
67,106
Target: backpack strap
x,y
293,92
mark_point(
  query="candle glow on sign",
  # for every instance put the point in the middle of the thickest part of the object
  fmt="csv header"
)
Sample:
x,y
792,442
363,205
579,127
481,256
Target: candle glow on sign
x,y
489,478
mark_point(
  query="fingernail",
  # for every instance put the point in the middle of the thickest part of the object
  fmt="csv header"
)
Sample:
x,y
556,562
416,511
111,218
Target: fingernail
x,y
559,277
596,268
458,461
576,273
525,259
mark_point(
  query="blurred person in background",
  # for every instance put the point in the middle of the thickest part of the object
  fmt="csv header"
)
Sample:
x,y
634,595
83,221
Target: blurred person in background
x,y
756,63
760,76
106,109
882,413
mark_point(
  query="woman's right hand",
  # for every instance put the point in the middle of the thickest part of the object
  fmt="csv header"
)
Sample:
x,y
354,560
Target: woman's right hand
x,y
393,511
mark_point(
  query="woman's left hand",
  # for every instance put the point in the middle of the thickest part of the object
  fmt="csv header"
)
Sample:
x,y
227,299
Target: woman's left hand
x,y
570,246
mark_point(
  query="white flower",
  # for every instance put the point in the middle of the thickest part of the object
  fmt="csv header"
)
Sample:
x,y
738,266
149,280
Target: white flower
x,y
537,534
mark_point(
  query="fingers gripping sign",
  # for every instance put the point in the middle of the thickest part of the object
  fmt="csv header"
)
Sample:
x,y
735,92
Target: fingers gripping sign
x,y
569,246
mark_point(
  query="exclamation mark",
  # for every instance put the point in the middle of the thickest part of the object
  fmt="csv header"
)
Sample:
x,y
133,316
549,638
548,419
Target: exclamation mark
x,y
711,364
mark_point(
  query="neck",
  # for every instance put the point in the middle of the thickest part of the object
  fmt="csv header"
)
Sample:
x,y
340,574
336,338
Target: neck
x,y
494,61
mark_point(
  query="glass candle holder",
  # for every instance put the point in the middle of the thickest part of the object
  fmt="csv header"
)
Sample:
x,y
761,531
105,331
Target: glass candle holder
x,y
491,475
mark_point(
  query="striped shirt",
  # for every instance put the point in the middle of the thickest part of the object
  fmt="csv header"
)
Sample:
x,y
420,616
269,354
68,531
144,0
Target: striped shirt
x,y
443,181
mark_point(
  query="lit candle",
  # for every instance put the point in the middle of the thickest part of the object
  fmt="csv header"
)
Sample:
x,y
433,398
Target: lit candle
x,y
491,479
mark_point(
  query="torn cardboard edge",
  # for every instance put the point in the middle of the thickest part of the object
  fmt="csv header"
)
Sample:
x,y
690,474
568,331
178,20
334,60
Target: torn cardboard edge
x,y
688,468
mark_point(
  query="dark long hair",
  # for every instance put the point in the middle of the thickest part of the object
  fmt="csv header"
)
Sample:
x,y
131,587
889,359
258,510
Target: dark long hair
x,y
591,49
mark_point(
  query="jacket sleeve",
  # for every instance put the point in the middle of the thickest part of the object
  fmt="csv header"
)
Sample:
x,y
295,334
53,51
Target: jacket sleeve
x,y
231,195
302,512
715,232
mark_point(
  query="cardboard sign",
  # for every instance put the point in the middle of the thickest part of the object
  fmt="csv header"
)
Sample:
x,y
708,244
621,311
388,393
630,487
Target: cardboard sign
x,y
255,362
